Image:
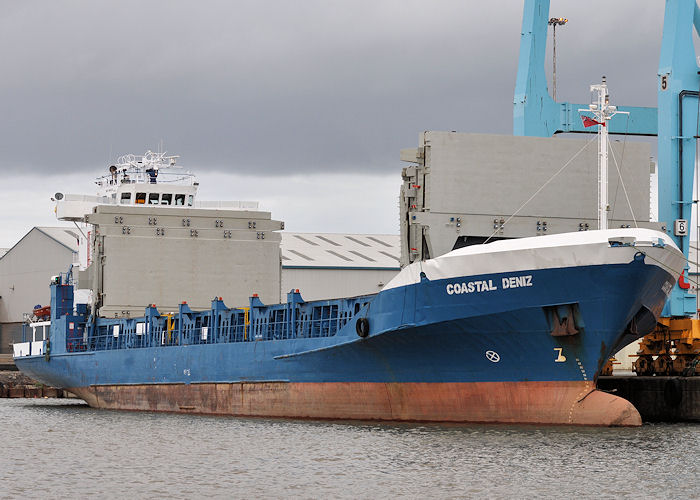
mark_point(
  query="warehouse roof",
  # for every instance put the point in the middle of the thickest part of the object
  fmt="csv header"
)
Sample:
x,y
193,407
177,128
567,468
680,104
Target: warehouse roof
x,y
338,251
299,250
65,236
68,237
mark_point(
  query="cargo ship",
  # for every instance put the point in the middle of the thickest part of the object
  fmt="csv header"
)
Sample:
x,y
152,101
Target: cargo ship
x,y
511,331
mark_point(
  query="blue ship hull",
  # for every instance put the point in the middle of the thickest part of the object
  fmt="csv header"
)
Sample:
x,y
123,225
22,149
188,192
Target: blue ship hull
x,y
406,342
419,334
520,346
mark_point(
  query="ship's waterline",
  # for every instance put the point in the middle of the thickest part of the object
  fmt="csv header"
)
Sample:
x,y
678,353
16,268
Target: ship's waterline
x,y
574,403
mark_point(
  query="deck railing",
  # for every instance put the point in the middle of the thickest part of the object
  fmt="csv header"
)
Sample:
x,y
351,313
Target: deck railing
x,y
34,337
218,326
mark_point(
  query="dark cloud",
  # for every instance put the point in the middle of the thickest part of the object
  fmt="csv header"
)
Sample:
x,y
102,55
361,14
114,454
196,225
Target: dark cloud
x,y
268,87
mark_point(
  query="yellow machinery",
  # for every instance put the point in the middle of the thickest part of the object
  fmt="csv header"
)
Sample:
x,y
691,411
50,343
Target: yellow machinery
x,y
170,326
672,349
246,322
607,369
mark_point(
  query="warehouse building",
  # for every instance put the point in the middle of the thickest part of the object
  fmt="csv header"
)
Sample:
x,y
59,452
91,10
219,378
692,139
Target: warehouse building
x,y
323,265
25,270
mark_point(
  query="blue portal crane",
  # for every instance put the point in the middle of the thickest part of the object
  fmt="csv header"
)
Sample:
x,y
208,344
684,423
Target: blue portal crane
x,y
535,113
675,121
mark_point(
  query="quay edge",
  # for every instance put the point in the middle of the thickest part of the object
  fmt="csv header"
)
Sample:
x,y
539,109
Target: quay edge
x,y
658,398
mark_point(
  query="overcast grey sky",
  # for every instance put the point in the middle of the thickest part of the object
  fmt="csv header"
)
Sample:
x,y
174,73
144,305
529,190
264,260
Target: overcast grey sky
x,y
280,92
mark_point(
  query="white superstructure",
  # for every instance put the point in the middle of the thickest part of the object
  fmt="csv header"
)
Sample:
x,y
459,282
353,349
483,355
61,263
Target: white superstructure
x,y
150,179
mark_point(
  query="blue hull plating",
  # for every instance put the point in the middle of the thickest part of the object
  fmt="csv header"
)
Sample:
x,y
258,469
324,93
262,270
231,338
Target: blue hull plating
x,y
418,333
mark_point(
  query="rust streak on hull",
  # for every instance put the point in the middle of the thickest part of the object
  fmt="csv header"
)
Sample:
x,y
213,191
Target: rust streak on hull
x,y
568,403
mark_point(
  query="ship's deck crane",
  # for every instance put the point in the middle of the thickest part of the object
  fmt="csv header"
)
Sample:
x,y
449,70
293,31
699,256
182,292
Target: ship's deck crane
x,y
675,121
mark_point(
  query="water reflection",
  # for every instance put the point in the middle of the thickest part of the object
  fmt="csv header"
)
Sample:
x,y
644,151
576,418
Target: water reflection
x,y
58,449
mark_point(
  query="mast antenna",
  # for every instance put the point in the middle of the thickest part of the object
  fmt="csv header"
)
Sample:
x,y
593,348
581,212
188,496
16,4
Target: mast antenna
x,y
602,112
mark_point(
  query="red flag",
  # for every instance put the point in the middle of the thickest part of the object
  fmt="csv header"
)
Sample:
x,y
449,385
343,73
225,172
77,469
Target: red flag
x,y
589,122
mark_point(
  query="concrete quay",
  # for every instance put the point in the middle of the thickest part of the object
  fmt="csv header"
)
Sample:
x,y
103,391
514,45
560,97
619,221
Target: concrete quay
x,y
14,384
658,398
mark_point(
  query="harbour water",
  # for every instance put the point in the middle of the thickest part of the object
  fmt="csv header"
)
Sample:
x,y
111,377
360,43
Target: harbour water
x,y
57,448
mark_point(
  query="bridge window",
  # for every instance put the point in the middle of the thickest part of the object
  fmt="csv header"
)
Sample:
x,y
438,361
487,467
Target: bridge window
x,y
126,199
180,199
140,198
166,199
153,198
190,200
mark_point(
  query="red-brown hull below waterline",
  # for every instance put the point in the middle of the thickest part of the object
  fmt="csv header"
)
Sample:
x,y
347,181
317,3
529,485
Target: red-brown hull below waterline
x,y
559,403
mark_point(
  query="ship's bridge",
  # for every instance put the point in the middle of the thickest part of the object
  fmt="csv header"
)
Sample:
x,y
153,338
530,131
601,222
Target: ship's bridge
x,y
150,179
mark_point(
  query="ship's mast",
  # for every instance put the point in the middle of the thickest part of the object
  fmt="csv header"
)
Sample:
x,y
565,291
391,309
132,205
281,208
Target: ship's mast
x,y
602,112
